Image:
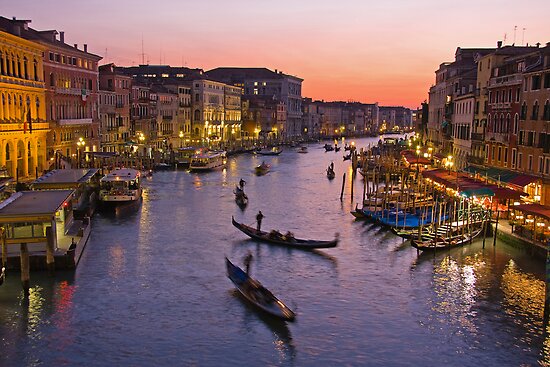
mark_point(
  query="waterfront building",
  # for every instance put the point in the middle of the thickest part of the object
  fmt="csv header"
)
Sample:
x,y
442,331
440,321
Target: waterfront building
x,y
394,118
463,117
114,109
208,109
167,106
23,124
264,82
71,76
453,79
533,156
142,123
262,117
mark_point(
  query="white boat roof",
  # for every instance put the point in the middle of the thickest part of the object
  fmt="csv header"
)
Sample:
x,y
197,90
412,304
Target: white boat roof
x,y
210,154
125,174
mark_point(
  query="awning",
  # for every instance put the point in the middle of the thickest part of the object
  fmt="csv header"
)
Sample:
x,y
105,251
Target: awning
x,y
523,180
503,175
534,209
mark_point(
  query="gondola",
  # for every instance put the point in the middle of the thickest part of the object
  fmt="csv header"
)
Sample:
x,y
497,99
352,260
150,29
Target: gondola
x,y
328,148
262,169
440,243
337,149
347,157
257,294
278,238
240,197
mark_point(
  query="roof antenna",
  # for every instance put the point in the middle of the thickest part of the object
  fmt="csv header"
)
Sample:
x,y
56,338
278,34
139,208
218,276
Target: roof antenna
x,y
515,29
142,52
522,36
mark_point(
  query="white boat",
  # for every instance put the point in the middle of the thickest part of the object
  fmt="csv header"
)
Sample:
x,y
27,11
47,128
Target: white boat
x,y
208,161
121,186
184,155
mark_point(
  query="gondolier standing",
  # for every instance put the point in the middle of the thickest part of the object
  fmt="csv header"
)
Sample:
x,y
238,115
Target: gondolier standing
x,y
242,183
247,261
259,218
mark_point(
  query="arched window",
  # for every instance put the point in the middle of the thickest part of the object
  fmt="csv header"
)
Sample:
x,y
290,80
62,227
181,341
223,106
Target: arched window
x,y
507,125
523,113
35,69
7,152
516,124
535,115
29,149
52,80
546,114
197,115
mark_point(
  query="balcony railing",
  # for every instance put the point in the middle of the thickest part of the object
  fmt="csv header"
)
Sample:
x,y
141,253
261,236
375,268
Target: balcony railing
x,y
19,81
505,80
19,126
71,122
73,91
477,136
498,137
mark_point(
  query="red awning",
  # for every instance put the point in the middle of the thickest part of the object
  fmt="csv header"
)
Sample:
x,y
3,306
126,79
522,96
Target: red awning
x,y
534,209
504,193
522,180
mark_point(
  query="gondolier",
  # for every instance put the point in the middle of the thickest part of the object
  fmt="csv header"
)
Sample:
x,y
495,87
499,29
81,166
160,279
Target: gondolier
x,y
259,218
242,183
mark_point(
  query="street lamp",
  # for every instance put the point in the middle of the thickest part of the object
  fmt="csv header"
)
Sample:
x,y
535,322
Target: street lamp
x,y
80,144
181,138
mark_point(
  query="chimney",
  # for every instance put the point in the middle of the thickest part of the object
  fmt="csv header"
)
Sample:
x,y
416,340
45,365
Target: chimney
x,y
16,29
76,46
85,47
61,36
275,71
499,44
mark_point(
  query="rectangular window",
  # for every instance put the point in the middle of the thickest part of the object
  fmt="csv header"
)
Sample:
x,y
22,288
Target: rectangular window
x,y
535,82
541,164
493,154
530,162
547,167
505,156
514,157
520,158
547,80
52,57
499,157
486,153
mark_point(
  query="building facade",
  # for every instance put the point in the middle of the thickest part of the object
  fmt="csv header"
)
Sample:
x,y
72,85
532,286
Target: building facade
x,y
23,123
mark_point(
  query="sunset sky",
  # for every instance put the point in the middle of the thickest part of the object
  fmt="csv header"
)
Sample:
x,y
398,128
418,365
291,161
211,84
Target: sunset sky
x,y
384,51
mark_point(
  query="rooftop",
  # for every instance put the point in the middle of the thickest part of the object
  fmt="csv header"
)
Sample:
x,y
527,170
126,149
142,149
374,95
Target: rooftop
x,y
33,203
66,176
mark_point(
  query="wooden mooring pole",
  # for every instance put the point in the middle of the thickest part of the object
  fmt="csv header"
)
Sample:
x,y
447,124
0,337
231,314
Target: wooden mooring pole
x,y
496,229
25,269
343,185
50,261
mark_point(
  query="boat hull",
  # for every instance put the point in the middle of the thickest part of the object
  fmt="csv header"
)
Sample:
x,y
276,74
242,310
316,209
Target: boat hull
x,y
293,242
258,295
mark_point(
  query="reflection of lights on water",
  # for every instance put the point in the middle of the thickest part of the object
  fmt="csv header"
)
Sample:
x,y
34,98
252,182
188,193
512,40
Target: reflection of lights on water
x,y
523,297
36,304
117,261
197,181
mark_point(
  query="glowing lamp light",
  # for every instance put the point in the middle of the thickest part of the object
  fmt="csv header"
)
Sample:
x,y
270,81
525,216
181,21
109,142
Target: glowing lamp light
x,y
517,203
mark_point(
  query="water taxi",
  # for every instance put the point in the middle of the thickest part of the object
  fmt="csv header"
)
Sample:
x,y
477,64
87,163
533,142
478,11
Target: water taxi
x,y
121,186
208,161
184,155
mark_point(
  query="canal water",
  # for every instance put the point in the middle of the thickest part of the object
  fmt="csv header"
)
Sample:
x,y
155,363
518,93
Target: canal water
x,y
151,288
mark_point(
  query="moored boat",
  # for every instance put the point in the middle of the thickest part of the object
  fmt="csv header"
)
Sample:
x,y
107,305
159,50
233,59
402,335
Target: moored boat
x,y
270,151
302,149
257,294
121,186
208,161
330,174
288,239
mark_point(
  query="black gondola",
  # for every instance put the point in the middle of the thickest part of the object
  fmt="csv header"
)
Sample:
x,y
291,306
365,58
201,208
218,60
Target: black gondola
x,y
277,238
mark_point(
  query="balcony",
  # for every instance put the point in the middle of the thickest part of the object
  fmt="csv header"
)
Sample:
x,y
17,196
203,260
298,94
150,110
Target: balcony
x,y
74,122
501,106
477,137
19,126
503,138
19,81
73,91
505,80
